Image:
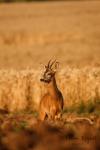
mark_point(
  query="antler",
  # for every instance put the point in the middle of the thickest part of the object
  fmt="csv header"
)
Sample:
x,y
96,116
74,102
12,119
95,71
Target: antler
x,y
56,64
50,64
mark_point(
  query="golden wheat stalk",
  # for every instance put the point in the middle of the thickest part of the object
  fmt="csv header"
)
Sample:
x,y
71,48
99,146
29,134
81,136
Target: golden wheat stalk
x,y
22,89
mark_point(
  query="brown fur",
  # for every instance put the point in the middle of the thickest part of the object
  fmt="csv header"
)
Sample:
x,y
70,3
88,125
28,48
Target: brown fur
x,y
51,103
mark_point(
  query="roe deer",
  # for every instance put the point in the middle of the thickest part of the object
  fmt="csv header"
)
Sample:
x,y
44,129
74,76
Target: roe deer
x,y
51,103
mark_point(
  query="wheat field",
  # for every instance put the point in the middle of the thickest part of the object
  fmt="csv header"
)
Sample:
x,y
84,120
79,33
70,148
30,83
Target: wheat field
x,y
31,34
23,90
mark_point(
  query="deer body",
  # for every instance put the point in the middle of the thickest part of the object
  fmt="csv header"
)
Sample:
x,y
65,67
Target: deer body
x,y
51,103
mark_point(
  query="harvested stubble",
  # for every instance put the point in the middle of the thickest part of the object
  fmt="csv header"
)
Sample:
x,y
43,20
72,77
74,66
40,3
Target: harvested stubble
x,y
21,90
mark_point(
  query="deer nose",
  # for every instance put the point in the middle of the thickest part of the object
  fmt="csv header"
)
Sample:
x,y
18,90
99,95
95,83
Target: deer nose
x,y
42,80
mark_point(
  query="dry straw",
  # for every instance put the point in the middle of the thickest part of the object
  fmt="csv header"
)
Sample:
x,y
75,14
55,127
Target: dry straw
x,y
21,90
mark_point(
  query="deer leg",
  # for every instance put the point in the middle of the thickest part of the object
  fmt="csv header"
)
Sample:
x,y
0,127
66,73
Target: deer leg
x,y
58,116
52,114
42,116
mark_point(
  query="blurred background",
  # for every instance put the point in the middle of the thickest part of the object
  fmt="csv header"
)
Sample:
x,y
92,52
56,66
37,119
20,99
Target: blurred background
x,y
32,33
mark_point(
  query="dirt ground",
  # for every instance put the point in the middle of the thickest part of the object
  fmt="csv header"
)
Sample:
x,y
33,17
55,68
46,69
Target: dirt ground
x,y
26,132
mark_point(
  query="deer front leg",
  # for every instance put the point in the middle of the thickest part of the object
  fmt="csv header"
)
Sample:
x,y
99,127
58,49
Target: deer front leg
x,y
42,116
58,116
52,113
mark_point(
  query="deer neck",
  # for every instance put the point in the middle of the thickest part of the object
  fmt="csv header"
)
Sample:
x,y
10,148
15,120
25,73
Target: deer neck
x,y
52,87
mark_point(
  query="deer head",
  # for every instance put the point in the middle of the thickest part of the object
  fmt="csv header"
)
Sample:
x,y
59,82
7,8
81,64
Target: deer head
x,y
50,70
